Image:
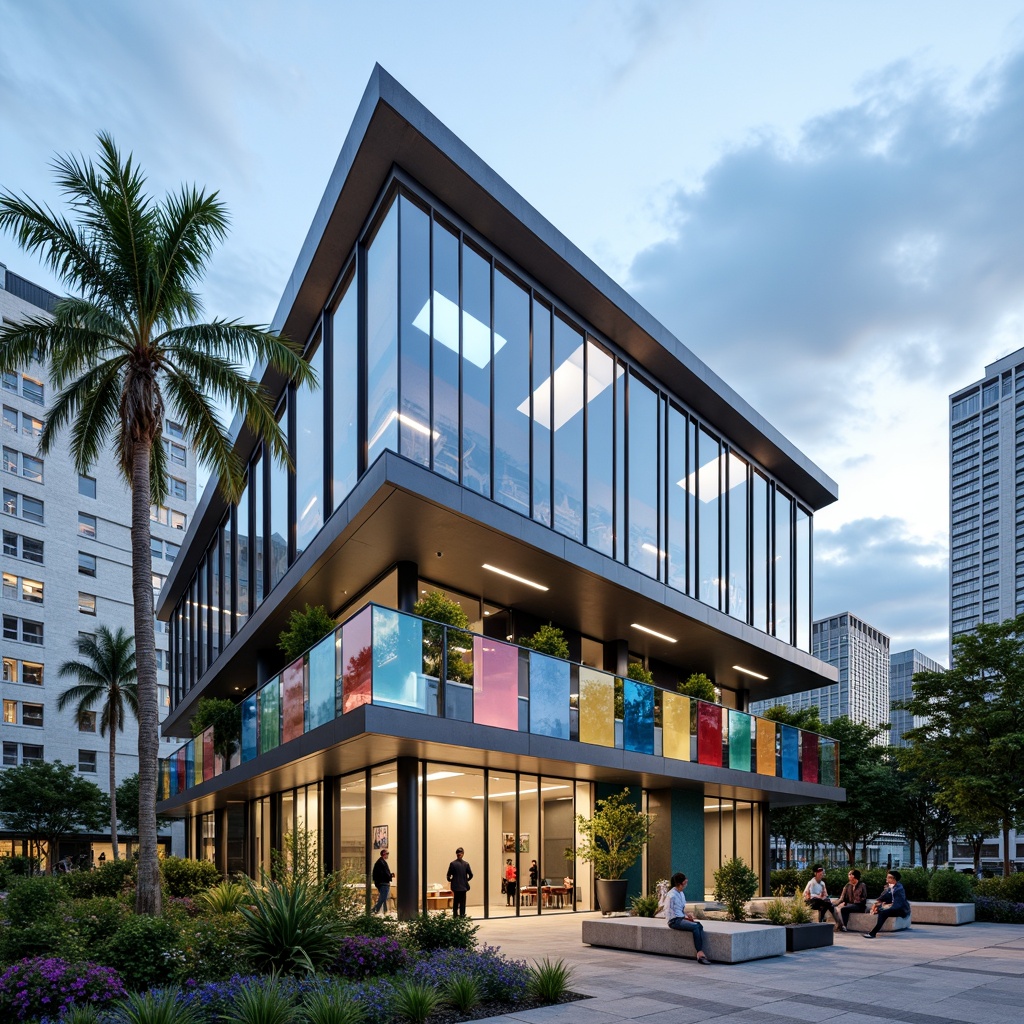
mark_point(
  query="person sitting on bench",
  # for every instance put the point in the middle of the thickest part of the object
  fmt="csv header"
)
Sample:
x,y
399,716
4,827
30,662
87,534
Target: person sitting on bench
x,y
816,896
892,903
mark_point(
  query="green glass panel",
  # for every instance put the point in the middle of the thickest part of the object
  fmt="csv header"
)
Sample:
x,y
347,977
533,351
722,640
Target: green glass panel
x,y
270,715
739,741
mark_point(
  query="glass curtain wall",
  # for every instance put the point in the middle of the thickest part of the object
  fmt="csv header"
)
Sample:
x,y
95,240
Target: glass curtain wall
x,y
309,457
732,828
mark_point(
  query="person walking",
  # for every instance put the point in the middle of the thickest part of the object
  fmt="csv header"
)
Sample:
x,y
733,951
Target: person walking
x,y
459,874
383,876
680,920
510,883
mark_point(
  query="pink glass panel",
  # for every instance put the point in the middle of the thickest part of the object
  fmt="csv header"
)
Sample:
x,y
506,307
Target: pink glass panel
x,y
495,683
709,734
293,711
208,754
809,756
356,661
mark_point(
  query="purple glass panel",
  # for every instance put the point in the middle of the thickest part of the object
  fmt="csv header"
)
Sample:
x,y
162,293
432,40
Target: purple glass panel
x,y
294,702
495,683
356,659
709,734
809,756
208,754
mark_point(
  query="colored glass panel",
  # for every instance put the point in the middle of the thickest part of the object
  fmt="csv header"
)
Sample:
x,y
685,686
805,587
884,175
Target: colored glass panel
x,y
270,715
549,696
709,734
790,752
192,779
250,728
765,747
355,653
181,768
322,660
638,716
162,779
829,750
397,660
597,707
208,764
739,741
172,775
675,716
809,756
496,683
293,701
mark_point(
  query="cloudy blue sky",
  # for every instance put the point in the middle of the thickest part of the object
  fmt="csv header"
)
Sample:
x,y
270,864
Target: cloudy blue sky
x,y
823,201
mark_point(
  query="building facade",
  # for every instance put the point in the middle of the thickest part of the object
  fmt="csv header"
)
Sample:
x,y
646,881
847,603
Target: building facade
x,y
53,519
902,666
498,421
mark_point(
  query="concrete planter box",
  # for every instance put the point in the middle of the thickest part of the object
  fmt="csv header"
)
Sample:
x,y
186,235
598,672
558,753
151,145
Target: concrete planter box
x,y
943,913
805,936
726,942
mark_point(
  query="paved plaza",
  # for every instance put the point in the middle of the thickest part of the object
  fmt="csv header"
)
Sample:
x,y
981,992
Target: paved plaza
x,y
926,975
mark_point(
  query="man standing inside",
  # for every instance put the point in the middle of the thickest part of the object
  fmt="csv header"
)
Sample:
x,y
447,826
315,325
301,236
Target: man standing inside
x,y
459,874
383,876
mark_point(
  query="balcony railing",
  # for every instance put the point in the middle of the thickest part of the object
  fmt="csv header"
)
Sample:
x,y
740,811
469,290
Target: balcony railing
x,y
395,660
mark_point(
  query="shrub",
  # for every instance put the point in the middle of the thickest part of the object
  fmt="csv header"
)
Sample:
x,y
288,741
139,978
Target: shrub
x,y
32,900
48,986
644,906
916,882
786,880
735,883
799,912
874,880
548,639
305,628
777,911
986,908
427,932
209,948
40,940
373,925
331,1006
463,991
90,924
1011,888
267,1003
364,956
950,887
183,877
549,980
224,898
414,1001
160,1007
502,980
110,879
144,951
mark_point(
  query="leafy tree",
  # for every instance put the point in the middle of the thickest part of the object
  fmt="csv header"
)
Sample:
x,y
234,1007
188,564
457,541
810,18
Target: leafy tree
x,y
226,718
972,739
615,836
735,884
805,718
128,806
700,687
926,823
47,800
442,609
305,628
636,670
548,639
128,345
105,671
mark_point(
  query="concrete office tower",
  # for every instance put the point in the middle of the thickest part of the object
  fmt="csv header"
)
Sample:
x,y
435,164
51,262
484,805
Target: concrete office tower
x,y
902,667
986,486
66,570
861,653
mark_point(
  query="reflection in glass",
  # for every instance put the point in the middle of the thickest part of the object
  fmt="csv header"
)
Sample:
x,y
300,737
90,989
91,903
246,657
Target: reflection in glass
x,y
709,489
309,457
345,393
809,757
549,696
355,655
414,319
256,477
765,747
597,707
645,553
382,338
397,658
250,727
542,397
678,499
278,533
293,710
270,715
709,734
216,598
737,484
803,579
445,395
476,373
322,681
790,752
568,424
783,587
600,450
638,717
759,553
739,740
496,683
511,390
675,725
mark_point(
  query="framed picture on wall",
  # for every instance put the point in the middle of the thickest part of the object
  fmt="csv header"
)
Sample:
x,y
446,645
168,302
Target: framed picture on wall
x,y
508,842
524,842
380,837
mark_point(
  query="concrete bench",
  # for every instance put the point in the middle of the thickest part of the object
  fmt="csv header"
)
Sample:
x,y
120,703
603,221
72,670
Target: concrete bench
x,y
725,942
865,922
943,913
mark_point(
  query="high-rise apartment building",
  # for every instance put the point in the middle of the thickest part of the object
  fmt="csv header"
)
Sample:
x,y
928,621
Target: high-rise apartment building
x,y
861,653
54,519
986,494
902,666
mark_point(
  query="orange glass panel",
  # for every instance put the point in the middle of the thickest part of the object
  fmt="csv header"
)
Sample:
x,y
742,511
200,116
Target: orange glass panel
x,y
675,740
765,747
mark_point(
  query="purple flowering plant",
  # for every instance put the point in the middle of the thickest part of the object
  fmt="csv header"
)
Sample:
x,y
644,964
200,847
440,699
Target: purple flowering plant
x,y
47,986
369,956
501,978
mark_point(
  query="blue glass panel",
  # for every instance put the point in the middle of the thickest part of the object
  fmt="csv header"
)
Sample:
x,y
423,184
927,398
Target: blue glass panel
x,y
549,696
249,730
172,771
190,764
638,720
398,660
321,682
790,752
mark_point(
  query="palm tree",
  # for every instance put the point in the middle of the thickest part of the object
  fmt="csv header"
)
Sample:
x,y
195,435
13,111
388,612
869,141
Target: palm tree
x,y
106,675
128,345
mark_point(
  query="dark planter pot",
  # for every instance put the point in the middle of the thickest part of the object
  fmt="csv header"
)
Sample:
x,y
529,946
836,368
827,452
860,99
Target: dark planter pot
x,y
611,895
806,936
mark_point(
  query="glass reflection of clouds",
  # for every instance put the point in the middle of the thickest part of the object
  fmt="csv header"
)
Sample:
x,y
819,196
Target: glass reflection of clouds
x,y
569,392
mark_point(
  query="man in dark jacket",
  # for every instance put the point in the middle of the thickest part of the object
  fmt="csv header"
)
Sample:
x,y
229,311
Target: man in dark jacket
x,y
892,903
383,876
459,874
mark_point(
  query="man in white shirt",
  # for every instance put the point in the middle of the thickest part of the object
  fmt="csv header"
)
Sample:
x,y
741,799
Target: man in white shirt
x,y
816,896
678,918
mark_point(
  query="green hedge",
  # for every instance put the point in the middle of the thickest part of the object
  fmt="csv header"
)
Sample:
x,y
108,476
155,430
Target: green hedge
x,y
792,880
183,877
1010,888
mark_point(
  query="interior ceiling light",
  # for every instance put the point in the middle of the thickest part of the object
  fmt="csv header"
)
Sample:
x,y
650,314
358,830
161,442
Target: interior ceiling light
x,y
749,672
522,792
653,632
432,777
513,576
476,335
406,420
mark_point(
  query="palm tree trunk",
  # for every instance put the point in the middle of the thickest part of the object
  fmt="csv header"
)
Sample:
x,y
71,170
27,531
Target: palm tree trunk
x,y
147,893
113,789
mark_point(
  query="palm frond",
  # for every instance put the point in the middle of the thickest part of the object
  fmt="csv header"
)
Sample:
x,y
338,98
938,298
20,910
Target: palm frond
x,y
19,342
89,405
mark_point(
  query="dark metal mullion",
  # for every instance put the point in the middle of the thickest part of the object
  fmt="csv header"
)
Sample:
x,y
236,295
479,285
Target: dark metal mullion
x,y
423,835
533,426
461,439
398,318
327,346
585,525
430,342
487,845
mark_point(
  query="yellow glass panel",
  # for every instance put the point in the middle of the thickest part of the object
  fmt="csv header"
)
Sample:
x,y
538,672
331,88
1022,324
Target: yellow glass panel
x,y
765,747
675,740
197,753
597,707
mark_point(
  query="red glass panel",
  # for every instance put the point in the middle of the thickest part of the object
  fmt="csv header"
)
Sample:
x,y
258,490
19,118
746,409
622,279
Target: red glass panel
x,y
709,734
495,683
356,658
293,712
183,782
809,756
208,754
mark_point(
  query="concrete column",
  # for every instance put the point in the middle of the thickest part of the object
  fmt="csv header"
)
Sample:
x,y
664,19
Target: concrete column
x,y
616,656
407,854
330,839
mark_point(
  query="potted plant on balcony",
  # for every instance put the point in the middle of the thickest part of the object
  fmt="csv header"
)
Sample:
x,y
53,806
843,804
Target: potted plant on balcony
x,y
612,840
548,639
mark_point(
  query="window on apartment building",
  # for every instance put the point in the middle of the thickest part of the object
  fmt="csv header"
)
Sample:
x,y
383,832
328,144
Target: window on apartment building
x,y
31,632
10,670
32,672
32,591
86,486
10,755
32,714
178,520
179,488
11,544
10,627
30,753
86,564
158,514
87,603
29,509
10,587
87,721
10,712
32,390
171,551
32,550
156,547
10,382
30,426
10,418
176,452
86,525
20,464
172,429
163,696
87,761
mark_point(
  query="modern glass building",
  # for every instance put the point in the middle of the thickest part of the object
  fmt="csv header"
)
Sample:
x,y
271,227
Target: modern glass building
x,y
902,666
499,421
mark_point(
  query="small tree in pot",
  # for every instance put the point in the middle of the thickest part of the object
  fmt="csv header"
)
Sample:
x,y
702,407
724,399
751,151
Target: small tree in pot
x,y
612,840
735,885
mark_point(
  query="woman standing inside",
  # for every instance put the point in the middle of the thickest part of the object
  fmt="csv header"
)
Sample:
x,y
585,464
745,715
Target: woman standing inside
x,y
510,883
